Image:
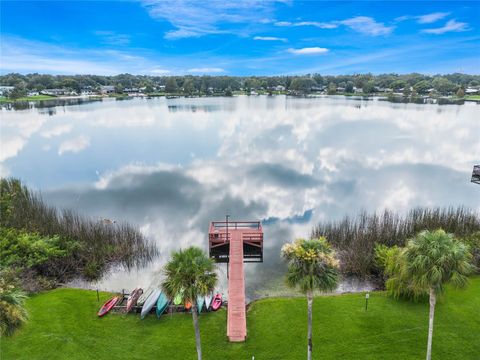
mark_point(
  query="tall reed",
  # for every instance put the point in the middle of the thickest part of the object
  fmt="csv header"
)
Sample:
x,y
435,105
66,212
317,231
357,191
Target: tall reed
x,y
355,237
100,244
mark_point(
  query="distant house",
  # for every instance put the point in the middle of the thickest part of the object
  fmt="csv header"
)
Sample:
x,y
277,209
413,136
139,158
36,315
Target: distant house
x,y
55,92
357,90
472,91
279,88
4,90
132,90
33,93
107,89
161,88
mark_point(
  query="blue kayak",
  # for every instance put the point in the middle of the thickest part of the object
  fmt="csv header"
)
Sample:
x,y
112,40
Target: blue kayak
x,y
162,304
200,302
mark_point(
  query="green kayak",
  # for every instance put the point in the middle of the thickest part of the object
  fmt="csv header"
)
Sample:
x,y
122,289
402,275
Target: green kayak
x,y
177,300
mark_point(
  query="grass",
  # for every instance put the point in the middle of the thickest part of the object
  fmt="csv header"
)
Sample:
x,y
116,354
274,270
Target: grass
x,y
472,97
63,325
28,98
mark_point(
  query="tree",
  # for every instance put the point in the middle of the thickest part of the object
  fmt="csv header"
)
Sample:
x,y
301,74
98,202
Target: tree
x,y
422,87
191,273
171,85
17,92
312,265
443,85
332,89
460,93
428,262
188,87
349,87
369,87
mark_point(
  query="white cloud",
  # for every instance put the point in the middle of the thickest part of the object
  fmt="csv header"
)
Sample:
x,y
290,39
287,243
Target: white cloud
x,y
159,71
11,147
206,70
22,55
269,38
57,131
367,25
74,145
424,19
193,18
450,26
308,51
431,18
113,38
283,23
321,25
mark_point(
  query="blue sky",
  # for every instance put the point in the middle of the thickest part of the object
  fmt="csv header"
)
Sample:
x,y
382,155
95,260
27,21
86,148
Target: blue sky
x,y
250,37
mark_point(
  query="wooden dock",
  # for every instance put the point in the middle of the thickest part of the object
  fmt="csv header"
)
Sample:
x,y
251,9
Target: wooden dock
x,y
236,242
237,319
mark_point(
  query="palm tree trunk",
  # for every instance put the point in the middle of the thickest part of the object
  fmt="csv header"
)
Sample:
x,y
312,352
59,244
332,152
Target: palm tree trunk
x,y
309,304
197,332
433,300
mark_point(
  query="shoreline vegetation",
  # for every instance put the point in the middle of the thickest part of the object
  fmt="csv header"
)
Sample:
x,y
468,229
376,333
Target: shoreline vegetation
x,y
43,248
62,321
415,88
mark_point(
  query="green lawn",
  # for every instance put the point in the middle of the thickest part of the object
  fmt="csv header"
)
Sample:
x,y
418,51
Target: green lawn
x,y
63,325
472,97
28,98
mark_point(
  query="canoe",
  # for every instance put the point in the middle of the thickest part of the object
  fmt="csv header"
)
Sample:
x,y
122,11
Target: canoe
x,y
217,302
133,298
146,294
208,301
150,303
177,300
162,304
108,306
200,302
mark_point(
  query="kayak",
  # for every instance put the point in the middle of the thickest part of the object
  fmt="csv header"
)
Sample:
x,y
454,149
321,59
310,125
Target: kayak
x,y
150,303
177,300
146,294
162,304
200,302
208,301
108,306
133,298
216,302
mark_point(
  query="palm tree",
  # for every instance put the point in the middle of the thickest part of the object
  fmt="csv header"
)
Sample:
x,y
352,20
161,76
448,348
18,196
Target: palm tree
x,y
312,265
191,273
431,260
12,307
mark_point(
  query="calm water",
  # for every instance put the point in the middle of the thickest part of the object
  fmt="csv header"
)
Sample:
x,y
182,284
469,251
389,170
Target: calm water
x,y
173,165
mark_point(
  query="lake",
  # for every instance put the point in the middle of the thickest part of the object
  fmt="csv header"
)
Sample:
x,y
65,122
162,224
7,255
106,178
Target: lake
x,y
171,166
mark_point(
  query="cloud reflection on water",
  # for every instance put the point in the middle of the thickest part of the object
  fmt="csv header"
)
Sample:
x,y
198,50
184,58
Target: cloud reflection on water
x,y
171,166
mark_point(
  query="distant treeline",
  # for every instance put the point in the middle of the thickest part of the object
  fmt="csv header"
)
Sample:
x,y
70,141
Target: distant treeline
x,y
188,84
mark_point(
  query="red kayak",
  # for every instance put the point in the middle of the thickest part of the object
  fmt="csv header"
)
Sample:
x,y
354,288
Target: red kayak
x,y
216,302
108,306
132,299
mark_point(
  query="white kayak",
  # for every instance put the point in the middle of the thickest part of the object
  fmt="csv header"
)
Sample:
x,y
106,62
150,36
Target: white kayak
x,y
150,302
146,294
208,301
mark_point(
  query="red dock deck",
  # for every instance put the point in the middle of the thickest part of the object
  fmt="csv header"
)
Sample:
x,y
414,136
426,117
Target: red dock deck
x,y
244,242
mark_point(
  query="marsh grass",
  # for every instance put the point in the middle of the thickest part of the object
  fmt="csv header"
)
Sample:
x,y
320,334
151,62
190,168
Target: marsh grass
x,y
99,244
355,238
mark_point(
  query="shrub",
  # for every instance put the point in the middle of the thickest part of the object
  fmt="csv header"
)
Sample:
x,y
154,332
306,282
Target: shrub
x,y
12,309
